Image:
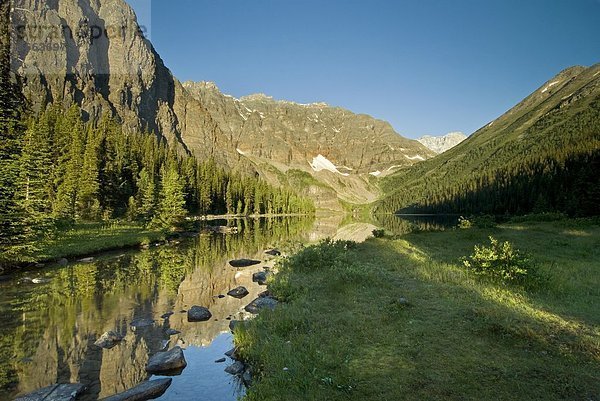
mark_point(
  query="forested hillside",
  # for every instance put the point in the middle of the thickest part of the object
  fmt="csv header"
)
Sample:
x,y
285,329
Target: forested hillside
x,y
542,155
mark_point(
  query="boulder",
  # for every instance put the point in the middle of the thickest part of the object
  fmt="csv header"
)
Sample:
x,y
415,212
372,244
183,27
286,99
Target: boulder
x,y
168,361
108,340
147,390
238,292
56,392
198,314
261,303
243,262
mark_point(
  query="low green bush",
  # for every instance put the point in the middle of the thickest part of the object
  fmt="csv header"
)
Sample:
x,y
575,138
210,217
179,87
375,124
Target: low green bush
x,y
502,261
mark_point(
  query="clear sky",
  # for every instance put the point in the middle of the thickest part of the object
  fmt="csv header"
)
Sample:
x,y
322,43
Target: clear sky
x,y
427,67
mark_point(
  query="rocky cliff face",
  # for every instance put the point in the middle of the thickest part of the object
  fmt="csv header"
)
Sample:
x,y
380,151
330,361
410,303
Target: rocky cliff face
x,y
440,144
91,52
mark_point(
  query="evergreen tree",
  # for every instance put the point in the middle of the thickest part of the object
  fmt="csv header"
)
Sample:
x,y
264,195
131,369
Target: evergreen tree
x,y
171,210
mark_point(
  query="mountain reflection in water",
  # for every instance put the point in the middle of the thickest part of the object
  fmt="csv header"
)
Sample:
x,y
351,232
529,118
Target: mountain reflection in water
x,y
49,329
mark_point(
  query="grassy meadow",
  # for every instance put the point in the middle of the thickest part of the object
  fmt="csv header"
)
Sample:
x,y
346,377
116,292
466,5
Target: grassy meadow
x,y
402,319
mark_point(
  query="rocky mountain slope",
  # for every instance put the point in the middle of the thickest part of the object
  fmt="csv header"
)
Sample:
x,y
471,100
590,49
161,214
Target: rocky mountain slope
x,y
555,125
440,144
91,52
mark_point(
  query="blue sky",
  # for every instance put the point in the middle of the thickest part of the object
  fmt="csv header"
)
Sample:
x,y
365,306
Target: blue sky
x,y
427,67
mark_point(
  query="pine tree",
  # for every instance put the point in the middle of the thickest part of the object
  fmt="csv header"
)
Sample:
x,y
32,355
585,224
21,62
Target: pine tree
x,y
171,210
146,196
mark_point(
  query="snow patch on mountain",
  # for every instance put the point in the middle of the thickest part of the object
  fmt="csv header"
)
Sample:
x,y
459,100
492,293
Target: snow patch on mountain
x,y
321,163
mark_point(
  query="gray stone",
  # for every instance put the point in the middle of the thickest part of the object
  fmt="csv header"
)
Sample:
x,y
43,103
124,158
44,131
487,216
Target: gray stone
x,y
261,303
141,323
147,390
198,314
235,323
108,340
238,292
166,315
260,277
86,260
56,392
167,361
247,377
220,360
243,262
40,280
273,252
236,368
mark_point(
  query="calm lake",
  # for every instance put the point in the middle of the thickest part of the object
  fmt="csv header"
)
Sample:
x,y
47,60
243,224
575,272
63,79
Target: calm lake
x,y
48,331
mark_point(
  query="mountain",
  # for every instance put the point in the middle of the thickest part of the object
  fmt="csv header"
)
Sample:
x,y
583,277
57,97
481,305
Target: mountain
x,y
541,155
98,59
440,144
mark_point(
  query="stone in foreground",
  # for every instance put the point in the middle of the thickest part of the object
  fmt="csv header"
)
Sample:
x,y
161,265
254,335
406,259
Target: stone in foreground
x,y
198,314
148,390
168,361
238,292
261,303
108,340
273,252
56,392
243,262
260,277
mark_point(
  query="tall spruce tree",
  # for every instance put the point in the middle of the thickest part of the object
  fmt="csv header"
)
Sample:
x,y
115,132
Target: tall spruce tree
x,y
171,209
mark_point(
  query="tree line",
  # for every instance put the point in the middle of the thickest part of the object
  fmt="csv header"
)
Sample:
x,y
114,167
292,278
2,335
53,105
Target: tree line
x,y
553,167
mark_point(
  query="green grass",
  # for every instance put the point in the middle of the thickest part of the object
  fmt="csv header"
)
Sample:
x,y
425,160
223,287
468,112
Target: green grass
x,y
88,238
344,334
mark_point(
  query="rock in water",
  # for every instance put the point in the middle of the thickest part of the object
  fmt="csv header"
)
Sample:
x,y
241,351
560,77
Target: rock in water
x,y
261,303
243,262
198,314
146,391
236,368
273,252
168,361
56,392
260,277
108,340
238,292
171,332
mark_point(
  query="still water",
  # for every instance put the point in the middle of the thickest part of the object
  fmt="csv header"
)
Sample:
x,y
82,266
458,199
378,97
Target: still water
x,y
48,329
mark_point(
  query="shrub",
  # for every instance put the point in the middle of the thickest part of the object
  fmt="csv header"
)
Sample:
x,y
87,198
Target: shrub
x,y
464,223
502,261
378,233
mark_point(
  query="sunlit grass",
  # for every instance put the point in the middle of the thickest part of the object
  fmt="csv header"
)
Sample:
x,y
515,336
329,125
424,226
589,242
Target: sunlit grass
x,y
345,335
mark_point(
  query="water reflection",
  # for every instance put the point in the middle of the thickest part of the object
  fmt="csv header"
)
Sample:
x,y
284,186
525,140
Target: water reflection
x,y
409,223
49,329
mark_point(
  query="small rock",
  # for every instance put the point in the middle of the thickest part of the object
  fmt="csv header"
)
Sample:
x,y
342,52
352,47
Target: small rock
x,y
108,340
263,294
260,277
168,361
403,301
220,296
141,323
285,369
221,360
243,262
171,332
198,314
273,252
231,353
146,391
86,260
166,315
261,303
235,369
40,280
62,262
56,392
238,292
